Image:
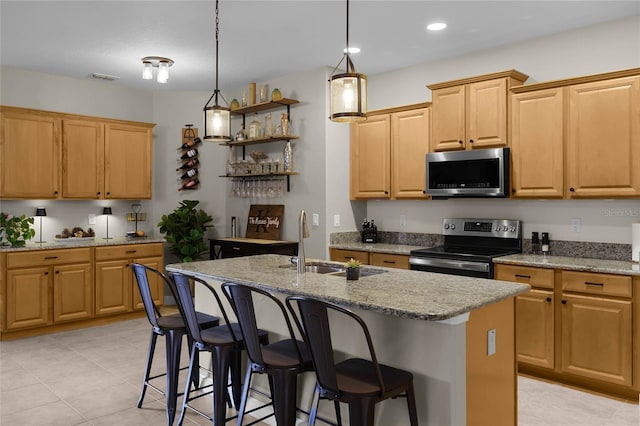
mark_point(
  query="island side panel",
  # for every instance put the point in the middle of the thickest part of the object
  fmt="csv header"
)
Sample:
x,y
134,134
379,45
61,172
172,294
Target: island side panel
x,y
492,379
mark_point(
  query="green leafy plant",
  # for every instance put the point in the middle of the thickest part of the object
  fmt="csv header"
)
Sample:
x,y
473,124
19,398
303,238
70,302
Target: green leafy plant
x,y
16,230
184,229
352,263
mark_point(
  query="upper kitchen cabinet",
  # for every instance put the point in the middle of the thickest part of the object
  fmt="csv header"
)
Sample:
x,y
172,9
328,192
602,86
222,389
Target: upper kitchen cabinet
x,y
603,138
128,161
29,154
65,156
473,112
388,153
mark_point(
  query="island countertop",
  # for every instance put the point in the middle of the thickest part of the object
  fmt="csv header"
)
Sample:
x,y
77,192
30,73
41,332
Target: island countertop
x,y
408,294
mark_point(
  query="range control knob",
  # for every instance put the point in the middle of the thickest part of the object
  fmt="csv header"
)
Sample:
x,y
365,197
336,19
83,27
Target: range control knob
x,y
446,226
453,226
513,229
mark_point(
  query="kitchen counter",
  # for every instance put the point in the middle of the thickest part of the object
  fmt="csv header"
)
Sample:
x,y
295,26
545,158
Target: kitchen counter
x,y
407,294
620,267
377,248
97,242
433,325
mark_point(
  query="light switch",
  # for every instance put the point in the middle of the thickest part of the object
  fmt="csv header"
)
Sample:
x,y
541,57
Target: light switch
x,y
491,342
92,219
336,221
315,219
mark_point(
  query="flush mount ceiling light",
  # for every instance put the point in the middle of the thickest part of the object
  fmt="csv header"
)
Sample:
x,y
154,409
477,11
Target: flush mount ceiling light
x,y
217,118
348,90
151,62
436,26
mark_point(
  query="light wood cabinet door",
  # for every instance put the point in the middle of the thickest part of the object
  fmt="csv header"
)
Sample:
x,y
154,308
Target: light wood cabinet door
x,y
409,147
113,287
597,338
156,284
82,159
370,158
603,138
534,328
29,155
128,161
389,260
537,144
27,298
449,122
342,255
72,292
486,114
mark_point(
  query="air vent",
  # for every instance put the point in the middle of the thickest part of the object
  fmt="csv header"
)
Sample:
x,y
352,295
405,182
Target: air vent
x,y
104,76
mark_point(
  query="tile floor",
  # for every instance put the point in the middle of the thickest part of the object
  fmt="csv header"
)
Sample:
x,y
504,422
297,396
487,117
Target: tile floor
x,y
92,377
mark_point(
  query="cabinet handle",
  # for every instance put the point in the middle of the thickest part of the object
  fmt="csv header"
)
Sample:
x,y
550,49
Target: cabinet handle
x,y
548,299
597,284
46,273
235,248
386,192
98,192
572,189
57,272
347,257
460,142
50,257
470,140
389,261
131,251
55,192
564,302
513,190
523,276
108,193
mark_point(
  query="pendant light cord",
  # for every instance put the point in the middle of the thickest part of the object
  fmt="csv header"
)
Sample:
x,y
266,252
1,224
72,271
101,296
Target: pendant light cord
x,y
217,44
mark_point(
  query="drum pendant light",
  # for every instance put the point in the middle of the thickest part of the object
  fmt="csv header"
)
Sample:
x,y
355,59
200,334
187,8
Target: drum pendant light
x,y
348,90
217,118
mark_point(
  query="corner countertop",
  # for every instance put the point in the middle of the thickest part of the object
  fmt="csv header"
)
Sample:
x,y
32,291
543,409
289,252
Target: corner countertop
x,y
97,242
377,247
408,294
620,267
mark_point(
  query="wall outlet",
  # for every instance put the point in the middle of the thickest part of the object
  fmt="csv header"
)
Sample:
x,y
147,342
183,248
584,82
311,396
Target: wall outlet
x,y
336,221
491,342
315,219
403,220
92,219
576,225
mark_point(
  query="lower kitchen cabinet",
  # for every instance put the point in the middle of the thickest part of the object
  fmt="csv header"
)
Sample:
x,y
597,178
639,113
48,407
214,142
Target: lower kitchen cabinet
x,y
72,292
534,328
388,260
342,255
27,298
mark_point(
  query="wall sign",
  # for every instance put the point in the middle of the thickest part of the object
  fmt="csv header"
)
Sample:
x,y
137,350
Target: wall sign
x,y
265,221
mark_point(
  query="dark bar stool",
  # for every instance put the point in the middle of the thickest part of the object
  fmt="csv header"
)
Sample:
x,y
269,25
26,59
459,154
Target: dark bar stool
x,y
173,328
282,360
358,382
224,343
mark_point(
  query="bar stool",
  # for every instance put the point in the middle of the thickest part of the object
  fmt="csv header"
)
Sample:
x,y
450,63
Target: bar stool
x,y
225,344
358,382
282,360
173,328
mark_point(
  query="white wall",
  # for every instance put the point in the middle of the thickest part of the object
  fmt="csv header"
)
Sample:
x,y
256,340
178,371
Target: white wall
x,y
591,50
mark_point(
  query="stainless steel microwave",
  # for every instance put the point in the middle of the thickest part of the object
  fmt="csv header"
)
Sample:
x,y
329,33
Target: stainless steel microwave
x,y
473,174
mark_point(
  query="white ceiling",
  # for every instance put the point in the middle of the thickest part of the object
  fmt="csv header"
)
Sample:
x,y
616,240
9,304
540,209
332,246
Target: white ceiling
x,y
260,40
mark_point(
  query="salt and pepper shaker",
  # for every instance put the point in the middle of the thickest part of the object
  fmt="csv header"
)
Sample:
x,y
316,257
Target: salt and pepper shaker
x,y
535,243
545,243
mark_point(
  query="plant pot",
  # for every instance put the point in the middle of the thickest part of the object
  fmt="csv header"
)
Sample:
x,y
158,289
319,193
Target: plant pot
x,y
353,274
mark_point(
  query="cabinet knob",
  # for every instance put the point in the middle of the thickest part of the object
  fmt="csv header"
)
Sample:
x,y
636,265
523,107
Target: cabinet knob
x,y
548,299
98,192
55,192
572,189
57,272
470,140
564,302
108,193
386,192
460,142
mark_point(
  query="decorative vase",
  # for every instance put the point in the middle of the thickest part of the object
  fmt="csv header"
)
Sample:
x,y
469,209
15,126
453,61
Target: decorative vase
x,y
353,274
287,158
276,95
234,104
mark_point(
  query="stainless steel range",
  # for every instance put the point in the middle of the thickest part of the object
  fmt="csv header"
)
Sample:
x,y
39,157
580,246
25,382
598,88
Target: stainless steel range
x,y
469,247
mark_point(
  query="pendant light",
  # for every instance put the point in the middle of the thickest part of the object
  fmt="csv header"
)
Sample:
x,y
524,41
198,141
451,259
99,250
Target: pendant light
x,y
348,90
217,119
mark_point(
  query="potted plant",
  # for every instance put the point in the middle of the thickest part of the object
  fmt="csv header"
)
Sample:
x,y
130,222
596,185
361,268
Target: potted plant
x,y
185,229
15,231
353,269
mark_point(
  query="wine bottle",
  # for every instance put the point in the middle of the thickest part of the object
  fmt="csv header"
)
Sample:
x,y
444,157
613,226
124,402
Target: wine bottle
x,y
191,143
189,154
189,164
189,174
191,184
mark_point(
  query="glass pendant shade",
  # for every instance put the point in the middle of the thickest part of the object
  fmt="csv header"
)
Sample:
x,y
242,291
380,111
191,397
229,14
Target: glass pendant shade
x,y
217,121
147,71
348,92
163,72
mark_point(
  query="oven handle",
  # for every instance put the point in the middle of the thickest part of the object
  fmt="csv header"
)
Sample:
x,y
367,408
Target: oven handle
x,y
451,264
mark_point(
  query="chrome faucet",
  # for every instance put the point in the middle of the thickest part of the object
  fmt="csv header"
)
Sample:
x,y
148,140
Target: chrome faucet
x,y
303,232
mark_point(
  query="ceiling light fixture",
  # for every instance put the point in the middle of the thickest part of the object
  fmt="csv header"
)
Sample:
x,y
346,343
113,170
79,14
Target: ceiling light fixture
x,y
348,90
217,119
437,26
151,62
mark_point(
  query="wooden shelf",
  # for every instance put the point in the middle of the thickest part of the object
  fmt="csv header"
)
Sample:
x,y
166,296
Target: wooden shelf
x,y
261,140
263,106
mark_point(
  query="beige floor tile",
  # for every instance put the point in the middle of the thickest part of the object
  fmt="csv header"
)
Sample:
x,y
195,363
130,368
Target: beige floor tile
x,y
16,378
104,400
54,414
24,398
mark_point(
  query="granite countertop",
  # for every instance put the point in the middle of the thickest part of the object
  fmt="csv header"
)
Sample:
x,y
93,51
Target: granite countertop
x,y
621,267
377,247
97,242
409,294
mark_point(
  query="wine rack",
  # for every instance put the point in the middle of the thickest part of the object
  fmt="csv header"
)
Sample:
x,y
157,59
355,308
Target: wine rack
x,y
190,163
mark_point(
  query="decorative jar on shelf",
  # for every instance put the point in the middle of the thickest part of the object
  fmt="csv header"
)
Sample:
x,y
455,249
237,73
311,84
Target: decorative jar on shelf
x,y
276,95
255,128
268,126
241,135
287,158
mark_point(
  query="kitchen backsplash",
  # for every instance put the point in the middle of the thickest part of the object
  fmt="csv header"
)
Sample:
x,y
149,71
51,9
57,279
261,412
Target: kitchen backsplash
x,y
593,250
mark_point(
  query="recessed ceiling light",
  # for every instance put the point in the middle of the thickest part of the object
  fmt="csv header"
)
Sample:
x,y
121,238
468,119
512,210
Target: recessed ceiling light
x,y
353,50
437,26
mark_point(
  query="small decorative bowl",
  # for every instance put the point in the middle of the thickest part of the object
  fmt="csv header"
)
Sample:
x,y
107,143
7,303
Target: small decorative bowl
x,y
131,234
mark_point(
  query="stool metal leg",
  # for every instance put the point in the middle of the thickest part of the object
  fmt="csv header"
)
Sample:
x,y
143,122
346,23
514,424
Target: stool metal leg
x,y
147,373
174,344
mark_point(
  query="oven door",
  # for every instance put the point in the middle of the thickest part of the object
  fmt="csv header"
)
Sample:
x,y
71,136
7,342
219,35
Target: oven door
x,y
451,266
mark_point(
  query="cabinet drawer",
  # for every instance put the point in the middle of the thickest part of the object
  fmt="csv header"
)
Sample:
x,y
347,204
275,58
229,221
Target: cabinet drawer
x,y
128,251
341,255
600,284
48,257
535,277
399,261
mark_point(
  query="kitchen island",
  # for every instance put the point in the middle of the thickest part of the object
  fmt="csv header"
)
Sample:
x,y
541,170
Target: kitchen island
x,y
439,327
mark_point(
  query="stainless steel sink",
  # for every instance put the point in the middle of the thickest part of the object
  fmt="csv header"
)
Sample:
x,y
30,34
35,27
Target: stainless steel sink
x,y
324,269
335,270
